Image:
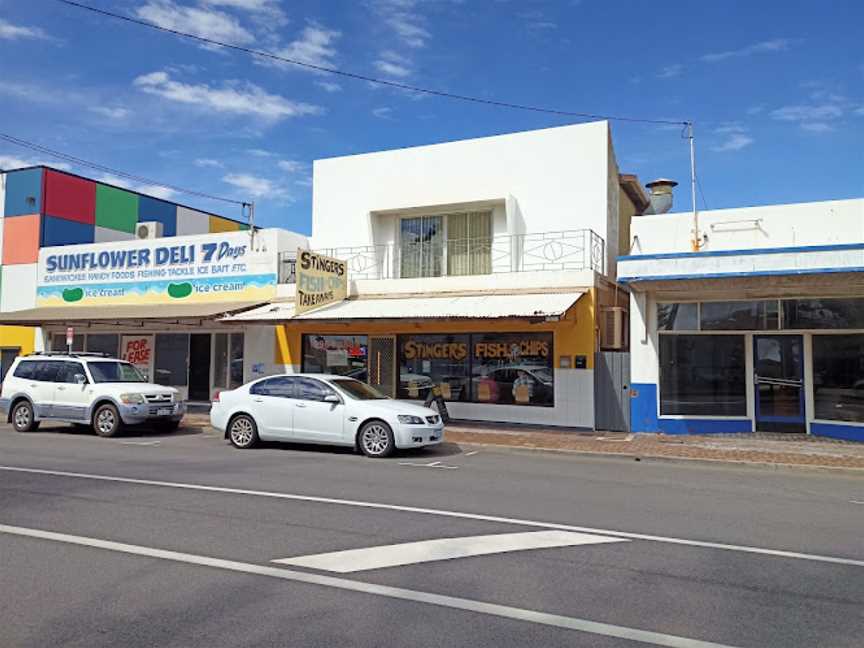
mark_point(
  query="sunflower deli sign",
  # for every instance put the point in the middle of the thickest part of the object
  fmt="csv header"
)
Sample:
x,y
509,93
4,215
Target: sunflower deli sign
x,y
321,280
229,266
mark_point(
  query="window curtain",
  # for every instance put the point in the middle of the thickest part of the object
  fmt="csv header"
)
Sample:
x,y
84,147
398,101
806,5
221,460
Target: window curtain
x,y
469,243
421,247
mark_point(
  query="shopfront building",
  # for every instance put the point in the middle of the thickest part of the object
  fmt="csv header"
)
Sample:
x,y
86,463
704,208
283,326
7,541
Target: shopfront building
x,y
747,335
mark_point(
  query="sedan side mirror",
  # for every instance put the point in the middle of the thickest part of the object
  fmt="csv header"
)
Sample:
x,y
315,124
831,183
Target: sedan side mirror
x,y
332,398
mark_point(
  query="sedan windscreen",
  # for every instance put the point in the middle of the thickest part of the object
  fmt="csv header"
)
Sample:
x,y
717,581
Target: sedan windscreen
x,y
358,390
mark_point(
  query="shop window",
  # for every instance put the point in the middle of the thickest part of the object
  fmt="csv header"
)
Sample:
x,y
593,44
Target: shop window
x,y
823,314
678,317
429,360
106,343
58,343
513,369
344,355
838,377
172,356
220,360
740,316
702,375
235,371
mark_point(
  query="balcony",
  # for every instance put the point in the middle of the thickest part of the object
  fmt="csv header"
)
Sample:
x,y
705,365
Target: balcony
x,y
566,250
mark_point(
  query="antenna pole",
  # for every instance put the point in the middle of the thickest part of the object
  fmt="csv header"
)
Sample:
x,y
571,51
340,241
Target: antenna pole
x,y
696,241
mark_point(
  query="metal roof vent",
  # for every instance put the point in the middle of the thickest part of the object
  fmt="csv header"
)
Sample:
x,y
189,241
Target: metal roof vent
x,y
661,195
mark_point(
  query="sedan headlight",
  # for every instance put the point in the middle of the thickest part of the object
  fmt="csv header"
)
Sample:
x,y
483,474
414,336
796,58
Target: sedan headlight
x,y
410,420
132,399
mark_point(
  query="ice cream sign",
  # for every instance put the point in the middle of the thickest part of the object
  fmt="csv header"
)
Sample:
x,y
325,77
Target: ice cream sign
x,y
217,267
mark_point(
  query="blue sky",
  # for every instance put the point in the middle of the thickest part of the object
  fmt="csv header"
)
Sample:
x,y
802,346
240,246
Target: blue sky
x,y
776,89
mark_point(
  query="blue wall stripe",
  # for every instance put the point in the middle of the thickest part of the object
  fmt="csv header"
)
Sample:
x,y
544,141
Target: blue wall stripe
x,y
838,431
745,252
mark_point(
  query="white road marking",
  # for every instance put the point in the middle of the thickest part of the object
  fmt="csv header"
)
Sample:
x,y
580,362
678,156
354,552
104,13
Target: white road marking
x,y
140,443
429,598
409,553
472,453
443,513
855,502
434,464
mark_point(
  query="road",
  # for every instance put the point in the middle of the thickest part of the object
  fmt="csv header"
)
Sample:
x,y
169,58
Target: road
x,y
170,540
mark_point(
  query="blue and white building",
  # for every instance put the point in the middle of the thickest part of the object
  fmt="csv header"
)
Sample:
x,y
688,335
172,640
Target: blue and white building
x,y
748,320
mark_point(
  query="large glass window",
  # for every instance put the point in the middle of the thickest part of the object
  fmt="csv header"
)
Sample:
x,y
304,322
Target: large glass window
x,y
678,317
345,355
823,313
428,360
172,356
739,315
58,343
469,243
513,369
220,360
838,377
702,375
421,247
468,248
107,343
235,372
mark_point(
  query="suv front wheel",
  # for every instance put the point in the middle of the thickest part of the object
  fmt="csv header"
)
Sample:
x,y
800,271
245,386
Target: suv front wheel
x,y
106,421
22,417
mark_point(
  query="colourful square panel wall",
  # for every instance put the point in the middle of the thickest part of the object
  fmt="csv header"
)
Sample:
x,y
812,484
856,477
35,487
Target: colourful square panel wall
x,y
69,197
61,231
223,225
21,239
152,209
23,192
190,221
116,209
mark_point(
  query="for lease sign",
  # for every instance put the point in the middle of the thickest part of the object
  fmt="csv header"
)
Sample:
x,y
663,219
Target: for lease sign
x,y
137,350
321,280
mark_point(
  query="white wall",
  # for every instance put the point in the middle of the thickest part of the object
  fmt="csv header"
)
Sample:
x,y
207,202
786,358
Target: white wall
x,y
793,225
18,287
107,235
644,366
190,221
552,179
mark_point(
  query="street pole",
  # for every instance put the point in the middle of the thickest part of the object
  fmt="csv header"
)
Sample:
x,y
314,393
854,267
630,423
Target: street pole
x,y
696,242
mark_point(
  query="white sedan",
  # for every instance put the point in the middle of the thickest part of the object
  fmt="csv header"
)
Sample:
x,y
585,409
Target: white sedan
x,y
321,408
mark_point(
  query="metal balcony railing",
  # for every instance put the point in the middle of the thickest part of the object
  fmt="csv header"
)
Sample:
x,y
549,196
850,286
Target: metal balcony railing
x,y
546,251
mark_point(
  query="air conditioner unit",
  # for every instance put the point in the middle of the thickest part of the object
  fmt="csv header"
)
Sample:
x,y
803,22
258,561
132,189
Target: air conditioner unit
x,y
149,230
612,334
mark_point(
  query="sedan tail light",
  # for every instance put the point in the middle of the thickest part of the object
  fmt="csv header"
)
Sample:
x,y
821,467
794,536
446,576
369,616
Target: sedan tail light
x,y
216,396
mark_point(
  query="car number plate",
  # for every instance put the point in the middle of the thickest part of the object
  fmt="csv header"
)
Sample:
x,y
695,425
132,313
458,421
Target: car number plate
x,y
165,411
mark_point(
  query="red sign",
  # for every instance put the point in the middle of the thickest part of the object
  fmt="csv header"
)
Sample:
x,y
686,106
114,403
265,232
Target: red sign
x,y
70,336
137,350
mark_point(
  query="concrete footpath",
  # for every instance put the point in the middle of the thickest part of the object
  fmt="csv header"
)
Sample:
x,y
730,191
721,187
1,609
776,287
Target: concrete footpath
x,y
778,450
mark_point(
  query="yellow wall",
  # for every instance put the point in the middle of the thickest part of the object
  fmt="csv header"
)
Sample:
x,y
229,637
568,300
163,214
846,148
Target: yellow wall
x,y
223,225
626,212
573,335
22,337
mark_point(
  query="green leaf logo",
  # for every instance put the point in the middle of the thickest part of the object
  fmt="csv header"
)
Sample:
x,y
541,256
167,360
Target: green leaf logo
x,y
73,294
179,291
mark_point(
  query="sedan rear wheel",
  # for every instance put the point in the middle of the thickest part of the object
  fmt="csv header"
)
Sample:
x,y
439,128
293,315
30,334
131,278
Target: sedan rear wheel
x,y
242,432
376,439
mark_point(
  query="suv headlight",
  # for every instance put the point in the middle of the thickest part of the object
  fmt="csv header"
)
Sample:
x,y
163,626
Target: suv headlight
x,y
410,420
132,399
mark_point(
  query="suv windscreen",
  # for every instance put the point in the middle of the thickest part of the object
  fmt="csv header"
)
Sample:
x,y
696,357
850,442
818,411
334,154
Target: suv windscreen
x,y
358,390
115,372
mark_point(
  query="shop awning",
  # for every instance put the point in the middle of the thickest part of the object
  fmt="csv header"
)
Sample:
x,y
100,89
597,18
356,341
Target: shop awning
x,y
148,312
524,305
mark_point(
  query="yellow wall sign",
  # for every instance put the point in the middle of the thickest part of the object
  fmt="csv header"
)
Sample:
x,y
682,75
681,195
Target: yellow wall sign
x,y
321,280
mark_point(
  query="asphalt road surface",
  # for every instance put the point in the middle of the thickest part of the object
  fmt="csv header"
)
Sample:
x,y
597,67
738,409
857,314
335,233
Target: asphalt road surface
x,y
182,541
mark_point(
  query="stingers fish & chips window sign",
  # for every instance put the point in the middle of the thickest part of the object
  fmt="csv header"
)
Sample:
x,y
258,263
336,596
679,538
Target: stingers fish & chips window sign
x,y
206,268
321,280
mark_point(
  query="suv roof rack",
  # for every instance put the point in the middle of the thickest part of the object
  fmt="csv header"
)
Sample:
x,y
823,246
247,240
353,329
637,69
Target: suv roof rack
x,y
73,354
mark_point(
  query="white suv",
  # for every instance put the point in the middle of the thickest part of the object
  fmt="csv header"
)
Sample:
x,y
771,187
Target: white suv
x,y
88,389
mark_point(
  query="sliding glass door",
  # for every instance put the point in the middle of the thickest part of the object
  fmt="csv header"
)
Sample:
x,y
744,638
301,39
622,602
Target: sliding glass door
x,y
421,245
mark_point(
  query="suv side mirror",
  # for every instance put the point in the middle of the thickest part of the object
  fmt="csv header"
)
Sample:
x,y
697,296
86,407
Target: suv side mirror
x,y
331,398
80,379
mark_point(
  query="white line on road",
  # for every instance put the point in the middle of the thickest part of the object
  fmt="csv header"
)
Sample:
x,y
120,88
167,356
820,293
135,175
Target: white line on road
x,y
410,553
855,502
429,598
433,464
443,513
472,453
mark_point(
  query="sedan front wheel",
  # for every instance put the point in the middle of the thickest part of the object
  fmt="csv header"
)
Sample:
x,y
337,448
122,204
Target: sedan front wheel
x,y
242,432
376,439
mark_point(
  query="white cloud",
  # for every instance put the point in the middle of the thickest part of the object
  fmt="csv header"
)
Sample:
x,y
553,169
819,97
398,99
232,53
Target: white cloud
x,y
116,113
208,163
315,46
393,64
260,152
763,47
157,191
382,113
756,110
401,17
329,86
817,127
232,97
8,31
734,142
807,113
257,187
8,162
670,71
290,166
215,25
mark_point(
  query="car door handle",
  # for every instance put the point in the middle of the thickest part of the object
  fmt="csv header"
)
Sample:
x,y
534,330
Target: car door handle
x,y
299,404
258,400
61,388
